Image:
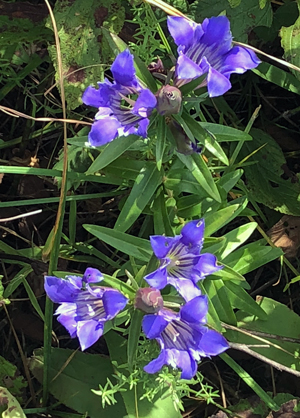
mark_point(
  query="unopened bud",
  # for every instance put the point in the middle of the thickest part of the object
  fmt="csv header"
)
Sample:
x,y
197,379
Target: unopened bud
x,y
157,67
148,300
168,100
184,144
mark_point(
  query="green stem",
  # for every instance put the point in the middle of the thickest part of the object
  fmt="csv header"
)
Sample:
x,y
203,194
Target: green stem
x,y
160,31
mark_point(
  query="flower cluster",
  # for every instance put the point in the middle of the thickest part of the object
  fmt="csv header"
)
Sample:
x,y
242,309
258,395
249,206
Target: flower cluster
x,y
183,337
125,105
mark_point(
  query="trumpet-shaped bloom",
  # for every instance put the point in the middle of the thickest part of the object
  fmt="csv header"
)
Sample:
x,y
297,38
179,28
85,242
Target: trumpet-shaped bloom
x,y
113,117
207,48
182,337
84,309
181,264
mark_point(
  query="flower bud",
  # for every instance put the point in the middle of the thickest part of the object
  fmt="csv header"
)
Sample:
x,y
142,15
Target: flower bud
x,y
149,300
157,67
184,144
168,100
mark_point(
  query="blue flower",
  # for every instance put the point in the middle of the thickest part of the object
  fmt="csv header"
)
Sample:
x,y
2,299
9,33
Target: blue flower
x,y
182,337
114,118
181,263
207,48
84,309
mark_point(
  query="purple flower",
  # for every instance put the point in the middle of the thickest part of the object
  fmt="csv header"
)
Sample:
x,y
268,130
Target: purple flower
x,y
207,48
84,309
181,263
115,118
182,337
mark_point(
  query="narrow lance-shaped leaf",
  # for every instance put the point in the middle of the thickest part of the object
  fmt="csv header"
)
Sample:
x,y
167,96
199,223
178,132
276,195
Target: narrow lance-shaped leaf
x,y
111,152
200,171
137,247
143,189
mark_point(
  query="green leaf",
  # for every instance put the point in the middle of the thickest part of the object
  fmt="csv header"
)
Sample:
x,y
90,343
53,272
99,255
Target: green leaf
x,y
119,285
17,280
79,159
229,180
243,18
137,247
290,42
161,220
33,299
162,404
235,238
252,256
280,321
13,409
215,221
206,138
225,133
73,376
265,178
262,3
19,30
161,142
250,382
240,299
144,187
190,86
85,52
134,336
217,294
278,76
200,171
111,152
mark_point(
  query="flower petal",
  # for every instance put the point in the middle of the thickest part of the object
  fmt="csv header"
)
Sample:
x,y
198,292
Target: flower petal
x,y
144,104
60,290
88,332
207,264
98,97
153,325
217,32
185,287
92,275
193,233
91,97
217,83
156,364
158,278
239,60
123,69
186,69
113,302
181,30
195,310
183,361
143,127
103,131
161,245
213,343
69,322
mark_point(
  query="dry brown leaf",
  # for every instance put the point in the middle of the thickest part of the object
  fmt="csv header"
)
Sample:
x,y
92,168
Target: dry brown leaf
x,y
286,235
